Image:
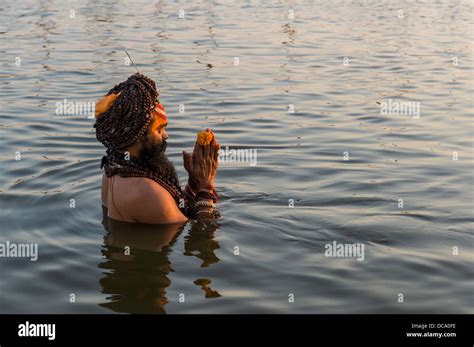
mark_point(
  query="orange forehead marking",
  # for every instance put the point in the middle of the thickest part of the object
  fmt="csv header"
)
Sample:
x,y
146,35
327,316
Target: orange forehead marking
x,y
159,115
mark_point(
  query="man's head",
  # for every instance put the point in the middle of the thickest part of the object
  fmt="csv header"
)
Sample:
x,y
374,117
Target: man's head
x,y
131,119
125,114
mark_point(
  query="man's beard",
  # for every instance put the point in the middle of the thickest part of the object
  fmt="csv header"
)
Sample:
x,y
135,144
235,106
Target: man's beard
x,y
153,157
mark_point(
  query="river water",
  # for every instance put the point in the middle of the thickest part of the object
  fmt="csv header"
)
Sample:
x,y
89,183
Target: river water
x,y
306,86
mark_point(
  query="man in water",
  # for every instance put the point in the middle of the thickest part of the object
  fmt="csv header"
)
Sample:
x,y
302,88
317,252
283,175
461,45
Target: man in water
x,y
139,183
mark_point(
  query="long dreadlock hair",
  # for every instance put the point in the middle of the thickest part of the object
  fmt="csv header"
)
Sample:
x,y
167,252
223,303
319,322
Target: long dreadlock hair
x,y
127,120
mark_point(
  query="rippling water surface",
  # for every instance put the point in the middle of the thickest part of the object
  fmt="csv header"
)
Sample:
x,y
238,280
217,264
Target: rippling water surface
x,y
409,56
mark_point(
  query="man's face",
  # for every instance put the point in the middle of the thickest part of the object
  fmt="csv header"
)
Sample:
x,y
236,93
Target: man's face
x,y
154,146
156,134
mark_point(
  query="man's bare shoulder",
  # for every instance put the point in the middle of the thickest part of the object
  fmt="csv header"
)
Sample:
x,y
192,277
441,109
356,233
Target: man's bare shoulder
x,y
148,202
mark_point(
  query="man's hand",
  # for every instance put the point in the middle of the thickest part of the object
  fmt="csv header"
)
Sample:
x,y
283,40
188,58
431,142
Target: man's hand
x,y
202,164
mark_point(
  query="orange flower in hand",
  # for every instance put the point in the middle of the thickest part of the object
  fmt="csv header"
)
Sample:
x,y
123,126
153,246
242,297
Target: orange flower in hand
x,y
205,138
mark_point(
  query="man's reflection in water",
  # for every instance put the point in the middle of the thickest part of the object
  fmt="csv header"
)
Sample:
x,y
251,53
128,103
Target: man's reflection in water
x,y
137,262
201,244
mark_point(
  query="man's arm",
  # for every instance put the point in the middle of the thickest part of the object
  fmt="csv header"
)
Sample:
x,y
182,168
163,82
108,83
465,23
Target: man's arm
x,y
152,204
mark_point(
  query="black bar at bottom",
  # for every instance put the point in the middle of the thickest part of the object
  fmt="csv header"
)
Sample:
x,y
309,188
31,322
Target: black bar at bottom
x,y
38,330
